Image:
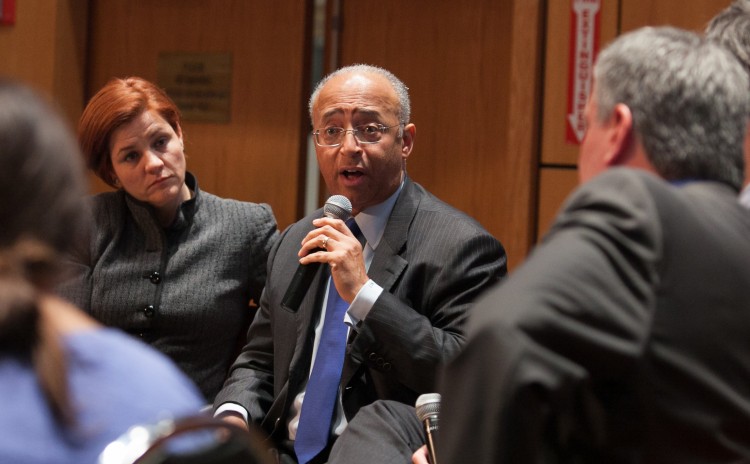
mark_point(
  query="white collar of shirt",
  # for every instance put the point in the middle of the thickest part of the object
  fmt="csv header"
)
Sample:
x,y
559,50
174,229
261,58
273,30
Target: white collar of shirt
x,y
372,220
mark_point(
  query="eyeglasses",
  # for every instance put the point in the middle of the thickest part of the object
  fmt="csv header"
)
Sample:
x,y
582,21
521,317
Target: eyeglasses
x,y
333,136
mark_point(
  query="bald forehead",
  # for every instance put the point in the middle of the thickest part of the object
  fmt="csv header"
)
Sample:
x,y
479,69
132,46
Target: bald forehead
x,y
357,90
356,78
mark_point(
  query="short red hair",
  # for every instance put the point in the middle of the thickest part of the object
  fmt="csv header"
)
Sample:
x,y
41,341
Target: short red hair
x,y
119,102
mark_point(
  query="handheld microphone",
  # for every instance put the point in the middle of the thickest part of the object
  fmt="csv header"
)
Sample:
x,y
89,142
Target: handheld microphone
x,y
336,207
428,408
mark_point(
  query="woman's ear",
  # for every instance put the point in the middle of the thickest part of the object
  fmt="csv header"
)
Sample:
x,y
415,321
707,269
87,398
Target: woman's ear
x,y
178,131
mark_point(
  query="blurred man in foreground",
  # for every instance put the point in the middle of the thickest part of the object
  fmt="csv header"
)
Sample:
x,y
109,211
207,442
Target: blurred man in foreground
x,y
623,337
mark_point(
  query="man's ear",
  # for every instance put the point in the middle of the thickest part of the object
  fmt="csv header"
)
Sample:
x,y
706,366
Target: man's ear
x,y
407,140
620,128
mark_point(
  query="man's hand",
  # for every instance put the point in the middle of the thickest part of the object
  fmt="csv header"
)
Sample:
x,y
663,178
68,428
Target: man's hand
x,y
235,419
420,456
333,243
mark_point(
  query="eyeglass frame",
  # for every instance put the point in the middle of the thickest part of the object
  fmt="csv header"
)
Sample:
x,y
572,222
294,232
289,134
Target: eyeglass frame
x,y
381,128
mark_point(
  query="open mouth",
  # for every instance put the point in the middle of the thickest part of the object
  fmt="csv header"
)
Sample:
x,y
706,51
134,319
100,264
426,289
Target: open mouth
x,y
351,174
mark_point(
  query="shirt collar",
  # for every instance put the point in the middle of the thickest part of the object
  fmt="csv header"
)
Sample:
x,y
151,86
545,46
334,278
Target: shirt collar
x,y
372,220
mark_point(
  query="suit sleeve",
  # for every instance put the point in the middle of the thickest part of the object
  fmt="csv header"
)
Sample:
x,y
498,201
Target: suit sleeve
x,y
417,328
566,326
250,381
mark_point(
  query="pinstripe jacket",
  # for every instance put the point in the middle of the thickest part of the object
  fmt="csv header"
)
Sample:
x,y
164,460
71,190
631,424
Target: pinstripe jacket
x,y
185,289
432,261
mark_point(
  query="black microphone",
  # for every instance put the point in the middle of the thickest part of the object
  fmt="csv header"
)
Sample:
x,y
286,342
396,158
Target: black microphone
x,y
428,408
336,207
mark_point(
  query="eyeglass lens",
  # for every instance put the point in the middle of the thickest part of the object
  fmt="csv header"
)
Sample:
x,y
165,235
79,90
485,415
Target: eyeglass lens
x,y
332,136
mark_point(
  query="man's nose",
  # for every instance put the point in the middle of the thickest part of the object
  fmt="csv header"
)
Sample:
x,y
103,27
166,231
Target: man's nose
x,y
349,141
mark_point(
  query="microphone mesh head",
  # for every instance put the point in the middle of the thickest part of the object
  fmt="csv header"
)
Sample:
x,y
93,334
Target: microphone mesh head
x,y
427,405
338,207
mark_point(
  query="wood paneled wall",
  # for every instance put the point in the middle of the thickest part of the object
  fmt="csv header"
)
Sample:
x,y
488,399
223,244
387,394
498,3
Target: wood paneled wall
x,y
472,68
690,14
46,49
256,156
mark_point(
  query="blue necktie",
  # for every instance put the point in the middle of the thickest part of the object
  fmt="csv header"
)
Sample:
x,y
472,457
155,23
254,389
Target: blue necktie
x,y
323,386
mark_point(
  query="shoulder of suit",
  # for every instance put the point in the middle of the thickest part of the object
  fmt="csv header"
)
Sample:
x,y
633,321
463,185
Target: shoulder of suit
x,y
244,207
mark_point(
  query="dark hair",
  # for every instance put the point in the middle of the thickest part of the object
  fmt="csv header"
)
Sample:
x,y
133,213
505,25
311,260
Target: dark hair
x,y
119,102
42,188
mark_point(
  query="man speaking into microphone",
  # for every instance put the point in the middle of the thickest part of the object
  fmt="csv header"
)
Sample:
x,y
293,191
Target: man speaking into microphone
x,y
386,306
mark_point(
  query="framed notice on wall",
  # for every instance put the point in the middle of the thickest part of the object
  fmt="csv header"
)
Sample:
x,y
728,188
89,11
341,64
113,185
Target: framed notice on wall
x,y
199,83
7,12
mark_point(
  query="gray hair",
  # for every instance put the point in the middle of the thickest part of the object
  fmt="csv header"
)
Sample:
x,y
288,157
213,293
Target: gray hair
x,y
402,91
688,97
731,28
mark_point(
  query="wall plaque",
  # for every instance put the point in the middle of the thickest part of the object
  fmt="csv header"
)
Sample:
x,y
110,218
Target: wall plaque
x,y
199,83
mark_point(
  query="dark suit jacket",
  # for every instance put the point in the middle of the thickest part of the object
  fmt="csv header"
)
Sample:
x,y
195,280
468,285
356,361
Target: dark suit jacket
x,y
432,262
624,338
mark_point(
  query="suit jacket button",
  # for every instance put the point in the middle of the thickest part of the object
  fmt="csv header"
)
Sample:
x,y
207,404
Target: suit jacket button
x,y
372,356
149,311
387,366
155,278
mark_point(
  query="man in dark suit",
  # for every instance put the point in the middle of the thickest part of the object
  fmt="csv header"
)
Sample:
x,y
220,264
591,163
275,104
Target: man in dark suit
x,y
624,335
407,289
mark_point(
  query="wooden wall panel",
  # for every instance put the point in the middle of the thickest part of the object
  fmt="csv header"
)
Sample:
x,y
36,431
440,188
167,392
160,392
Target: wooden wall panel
x,y
637,13
27,47
45,49
472,69
555,184
256,156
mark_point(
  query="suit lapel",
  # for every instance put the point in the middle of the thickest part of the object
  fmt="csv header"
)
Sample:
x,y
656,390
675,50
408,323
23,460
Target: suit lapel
x,y
304,320
387,264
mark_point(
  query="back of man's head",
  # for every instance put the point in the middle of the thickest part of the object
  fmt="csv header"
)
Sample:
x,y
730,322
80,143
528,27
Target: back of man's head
x,y
688,97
